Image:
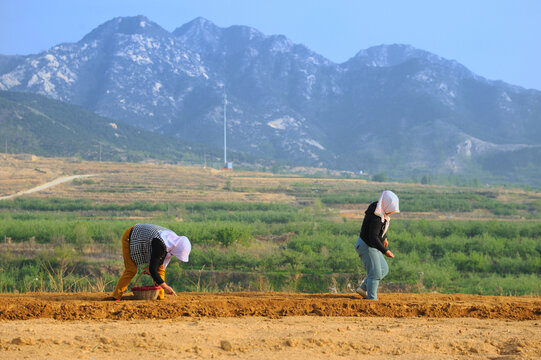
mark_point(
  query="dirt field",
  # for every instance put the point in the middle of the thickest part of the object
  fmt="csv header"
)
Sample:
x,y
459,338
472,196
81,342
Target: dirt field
x,y
247,325
127,182
270,326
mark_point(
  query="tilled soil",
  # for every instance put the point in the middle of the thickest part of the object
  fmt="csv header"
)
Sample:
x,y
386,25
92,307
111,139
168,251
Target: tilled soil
x,y
274,326
92,306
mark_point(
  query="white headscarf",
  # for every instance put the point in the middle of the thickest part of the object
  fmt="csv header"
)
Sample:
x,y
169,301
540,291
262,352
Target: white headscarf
x,y
179,246
387,203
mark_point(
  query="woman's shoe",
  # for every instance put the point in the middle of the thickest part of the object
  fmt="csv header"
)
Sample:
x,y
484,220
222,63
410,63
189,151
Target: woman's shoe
x,y
362,292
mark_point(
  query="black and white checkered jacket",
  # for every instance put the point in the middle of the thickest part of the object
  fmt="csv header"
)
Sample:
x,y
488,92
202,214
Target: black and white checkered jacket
x,y
141,240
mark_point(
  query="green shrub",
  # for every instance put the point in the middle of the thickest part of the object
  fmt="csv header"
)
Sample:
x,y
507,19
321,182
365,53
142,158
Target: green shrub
x,y
229,235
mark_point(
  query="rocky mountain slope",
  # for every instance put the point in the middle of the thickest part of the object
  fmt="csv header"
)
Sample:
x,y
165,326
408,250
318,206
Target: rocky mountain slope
x,y
390,108
35,124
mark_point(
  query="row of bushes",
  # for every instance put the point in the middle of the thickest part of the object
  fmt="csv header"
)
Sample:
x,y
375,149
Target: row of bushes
x,y
466,256
418,234
87,232
434,201
69,205
419,201
286,270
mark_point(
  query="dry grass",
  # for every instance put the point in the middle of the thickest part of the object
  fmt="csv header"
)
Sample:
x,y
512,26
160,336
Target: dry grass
x,y
124,183
128,182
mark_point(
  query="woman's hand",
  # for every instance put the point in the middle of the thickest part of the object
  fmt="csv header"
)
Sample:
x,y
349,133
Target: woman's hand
x,y
385,243
168,289
388,253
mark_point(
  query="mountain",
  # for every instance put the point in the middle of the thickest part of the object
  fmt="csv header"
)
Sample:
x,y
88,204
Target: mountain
x,y
38,125
390,108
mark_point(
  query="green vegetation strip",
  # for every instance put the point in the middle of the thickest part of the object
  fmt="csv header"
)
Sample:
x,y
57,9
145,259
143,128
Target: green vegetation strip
x,y
58,245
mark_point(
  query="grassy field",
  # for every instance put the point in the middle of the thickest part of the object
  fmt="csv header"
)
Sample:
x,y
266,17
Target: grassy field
x,y
260,231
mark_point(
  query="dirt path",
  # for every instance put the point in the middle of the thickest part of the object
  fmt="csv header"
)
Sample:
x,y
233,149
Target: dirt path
x,y
292,337
92,306
270,326
45,186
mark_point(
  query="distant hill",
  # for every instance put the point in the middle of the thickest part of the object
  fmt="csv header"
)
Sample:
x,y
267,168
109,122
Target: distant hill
x,y
38,125
390,109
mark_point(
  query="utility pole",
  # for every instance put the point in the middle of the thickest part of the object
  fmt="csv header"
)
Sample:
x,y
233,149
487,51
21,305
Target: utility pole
x,y
100,152
225,129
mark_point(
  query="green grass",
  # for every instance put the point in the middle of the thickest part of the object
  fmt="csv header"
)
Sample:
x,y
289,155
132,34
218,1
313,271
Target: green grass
x,y
259,246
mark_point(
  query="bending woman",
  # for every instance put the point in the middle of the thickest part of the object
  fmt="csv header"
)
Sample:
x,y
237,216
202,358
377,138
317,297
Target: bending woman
x,y
152,245
372,243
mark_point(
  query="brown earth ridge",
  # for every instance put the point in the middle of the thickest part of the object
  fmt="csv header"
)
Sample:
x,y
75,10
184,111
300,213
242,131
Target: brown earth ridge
x,y
95,306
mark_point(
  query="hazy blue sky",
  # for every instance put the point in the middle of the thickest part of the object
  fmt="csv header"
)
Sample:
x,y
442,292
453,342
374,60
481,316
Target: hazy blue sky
x,y
497,39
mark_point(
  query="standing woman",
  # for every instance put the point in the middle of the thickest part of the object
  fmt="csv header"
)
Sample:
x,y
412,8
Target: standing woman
x,y
151,245
372,243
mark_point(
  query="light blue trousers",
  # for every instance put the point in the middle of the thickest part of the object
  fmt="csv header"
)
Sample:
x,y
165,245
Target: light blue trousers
x,y
375,265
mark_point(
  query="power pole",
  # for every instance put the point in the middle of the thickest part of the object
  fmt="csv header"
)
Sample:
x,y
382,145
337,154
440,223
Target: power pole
x,y
225,130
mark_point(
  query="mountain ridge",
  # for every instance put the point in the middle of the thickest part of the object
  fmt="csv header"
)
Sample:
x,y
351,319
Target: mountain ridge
x,y
286,102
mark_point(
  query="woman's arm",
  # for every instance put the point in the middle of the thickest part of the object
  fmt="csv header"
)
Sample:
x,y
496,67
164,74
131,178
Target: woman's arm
x,y
156,259
374,230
